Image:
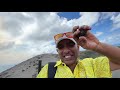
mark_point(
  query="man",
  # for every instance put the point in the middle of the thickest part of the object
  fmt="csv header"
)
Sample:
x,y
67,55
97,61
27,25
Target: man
x,y
69,65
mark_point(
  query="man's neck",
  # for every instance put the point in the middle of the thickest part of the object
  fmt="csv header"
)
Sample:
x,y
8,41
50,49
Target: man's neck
x,y
72,67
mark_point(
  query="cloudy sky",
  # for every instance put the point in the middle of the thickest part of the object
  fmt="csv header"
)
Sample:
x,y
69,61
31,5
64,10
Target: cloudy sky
x,y
27,34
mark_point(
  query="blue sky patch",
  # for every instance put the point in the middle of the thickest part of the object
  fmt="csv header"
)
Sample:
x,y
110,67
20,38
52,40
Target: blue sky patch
x,y
69,15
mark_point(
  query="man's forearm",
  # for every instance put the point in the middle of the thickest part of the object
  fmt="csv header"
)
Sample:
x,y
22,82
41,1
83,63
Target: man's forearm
x,y
112,52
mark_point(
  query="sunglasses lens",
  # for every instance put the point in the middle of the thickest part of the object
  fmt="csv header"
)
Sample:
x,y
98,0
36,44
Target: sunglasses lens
x,y
69,35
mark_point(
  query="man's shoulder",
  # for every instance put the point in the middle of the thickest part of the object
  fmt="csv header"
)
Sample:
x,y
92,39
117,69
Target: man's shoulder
x,y
55,62
86,59
97,58
93,60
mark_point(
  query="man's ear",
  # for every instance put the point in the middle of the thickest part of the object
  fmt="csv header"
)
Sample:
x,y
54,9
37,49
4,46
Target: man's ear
x,y
57,49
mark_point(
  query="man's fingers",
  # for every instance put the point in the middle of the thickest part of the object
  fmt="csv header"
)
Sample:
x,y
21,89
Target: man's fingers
x,y
75,28
85,27
82,41
76,32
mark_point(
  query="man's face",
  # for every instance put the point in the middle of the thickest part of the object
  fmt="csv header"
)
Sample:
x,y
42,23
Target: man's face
x,y
68,51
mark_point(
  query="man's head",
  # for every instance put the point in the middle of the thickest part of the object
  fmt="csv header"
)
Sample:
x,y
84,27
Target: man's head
x,y
67,48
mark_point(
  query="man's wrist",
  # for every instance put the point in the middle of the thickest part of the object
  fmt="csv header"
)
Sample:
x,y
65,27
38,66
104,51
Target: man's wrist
x,y
97,46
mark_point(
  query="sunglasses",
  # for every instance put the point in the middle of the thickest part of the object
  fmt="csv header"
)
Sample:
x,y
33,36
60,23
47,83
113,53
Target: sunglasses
x,y
67,34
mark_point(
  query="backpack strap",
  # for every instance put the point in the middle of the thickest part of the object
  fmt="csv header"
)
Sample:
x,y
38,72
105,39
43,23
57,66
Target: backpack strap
x,y
51,69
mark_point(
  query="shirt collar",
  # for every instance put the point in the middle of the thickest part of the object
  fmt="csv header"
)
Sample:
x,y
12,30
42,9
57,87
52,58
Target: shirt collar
x,y
60,62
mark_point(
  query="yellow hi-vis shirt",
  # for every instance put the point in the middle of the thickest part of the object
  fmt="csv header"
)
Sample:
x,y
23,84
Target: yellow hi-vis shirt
x,y
86,68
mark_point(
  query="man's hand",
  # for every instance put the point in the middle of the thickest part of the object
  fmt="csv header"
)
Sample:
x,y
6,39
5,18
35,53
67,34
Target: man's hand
x,y
89,41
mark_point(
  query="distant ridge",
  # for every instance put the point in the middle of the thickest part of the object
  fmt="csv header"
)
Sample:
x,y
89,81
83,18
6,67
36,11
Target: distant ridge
x,y
29,68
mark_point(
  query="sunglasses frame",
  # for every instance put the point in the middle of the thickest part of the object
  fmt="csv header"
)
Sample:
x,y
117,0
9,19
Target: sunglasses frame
x,y
62,34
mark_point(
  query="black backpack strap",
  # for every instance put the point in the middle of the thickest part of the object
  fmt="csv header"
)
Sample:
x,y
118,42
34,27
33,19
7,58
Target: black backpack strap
x,y
51,69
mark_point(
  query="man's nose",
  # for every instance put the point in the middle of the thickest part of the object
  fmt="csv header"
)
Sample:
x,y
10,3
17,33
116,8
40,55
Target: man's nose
x,y
66,50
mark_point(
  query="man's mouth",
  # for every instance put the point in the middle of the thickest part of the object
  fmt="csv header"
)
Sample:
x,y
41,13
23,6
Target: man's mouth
x,y
68,57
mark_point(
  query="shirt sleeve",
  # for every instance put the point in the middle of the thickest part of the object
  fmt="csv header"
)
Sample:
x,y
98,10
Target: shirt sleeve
x,y
43,72
102,67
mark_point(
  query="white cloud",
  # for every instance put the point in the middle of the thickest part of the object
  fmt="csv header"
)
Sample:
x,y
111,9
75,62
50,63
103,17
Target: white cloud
x,y
98,34
5,37
41,47
111,38
86,18
26,30
106,15
116,22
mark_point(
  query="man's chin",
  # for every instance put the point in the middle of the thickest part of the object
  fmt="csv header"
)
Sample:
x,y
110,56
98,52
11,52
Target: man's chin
x,y
69,62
